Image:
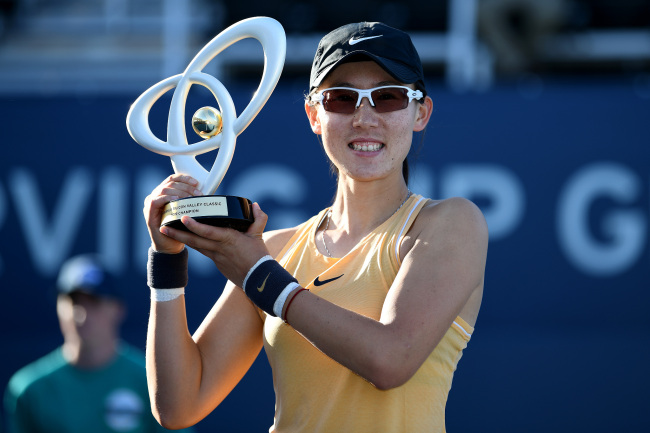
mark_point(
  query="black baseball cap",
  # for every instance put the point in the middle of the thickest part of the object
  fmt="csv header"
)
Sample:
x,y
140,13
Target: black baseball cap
x,y
390,48
86,273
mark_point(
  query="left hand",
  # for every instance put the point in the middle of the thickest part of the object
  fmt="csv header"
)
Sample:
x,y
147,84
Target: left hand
x,y
233,252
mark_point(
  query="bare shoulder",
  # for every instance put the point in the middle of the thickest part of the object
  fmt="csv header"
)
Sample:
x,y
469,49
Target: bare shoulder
x,y
275,240
452,211
455,219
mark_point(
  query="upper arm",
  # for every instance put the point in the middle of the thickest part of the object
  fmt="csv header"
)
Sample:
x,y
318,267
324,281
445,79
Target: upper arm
x,y
443,265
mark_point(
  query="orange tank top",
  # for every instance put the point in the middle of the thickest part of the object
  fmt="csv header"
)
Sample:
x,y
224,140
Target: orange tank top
x,y
316,394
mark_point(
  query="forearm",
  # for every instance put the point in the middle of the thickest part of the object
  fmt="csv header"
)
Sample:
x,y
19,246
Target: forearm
x,y
228,341
173,364
382,352
368,347
442,269
173,359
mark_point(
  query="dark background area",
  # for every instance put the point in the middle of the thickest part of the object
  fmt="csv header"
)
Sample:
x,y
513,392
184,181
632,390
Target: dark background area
x,y
557,157
556,347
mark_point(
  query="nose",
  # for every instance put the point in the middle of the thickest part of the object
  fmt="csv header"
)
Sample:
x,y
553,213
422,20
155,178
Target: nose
x,y
365,114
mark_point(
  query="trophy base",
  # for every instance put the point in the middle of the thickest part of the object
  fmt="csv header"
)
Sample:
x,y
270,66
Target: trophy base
x,y
215,210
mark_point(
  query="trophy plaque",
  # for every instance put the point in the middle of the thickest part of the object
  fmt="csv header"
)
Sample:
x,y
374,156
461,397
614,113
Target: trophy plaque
x,y
218,130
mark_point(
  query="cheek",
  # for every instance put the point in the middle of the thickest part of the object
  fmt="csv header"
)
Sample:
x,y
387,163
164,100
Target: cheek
x,y
327,122
331,130
321,121
402,127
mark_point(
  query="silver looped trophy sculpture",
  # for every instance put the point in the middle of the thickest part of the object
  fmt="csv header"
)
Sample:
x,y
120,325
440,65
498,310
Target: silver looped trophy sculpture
x,y
219,130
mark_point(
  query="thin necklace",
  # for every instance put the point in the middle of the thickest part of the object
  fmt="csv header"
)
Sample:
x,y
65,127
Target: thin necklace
x,y
329,216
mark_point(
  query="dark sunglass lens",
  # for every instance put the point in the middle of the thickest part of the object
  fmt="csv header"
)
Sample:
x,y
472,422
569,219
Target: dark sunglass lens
x,y
340,101
390,99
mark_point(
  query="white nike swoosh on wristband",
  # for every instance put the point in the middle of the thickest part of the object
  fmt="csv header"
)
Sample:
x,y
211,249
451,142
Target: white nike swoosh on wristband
x,y
356,41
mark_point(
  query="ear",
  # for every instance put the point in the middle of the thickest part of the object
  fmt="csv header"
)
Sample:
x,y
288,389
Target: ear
x,y
312,115
423,114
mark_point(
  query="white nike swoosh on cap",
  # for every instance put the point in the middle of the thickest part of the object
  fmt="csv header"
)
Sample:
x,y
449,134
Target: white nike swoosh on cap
x,y
356,41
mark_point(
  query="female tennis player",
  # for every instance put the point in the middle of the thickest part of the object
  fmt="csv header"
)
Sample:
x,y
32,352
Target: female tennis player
x,y
363,310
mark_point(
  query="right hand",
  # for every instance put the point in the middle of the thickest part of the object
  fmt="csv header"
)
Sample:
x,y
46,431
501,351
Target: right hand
x,y
174,187
234,253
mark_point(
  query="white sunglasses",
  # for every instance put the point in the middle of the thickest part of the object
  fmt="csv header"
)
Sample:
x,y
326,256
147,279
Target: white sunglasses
x,y
385,99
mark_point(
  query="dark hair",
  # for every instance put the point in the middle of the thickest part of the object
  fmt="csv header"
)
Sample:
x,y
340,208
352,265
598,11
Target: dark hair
x,y
405,170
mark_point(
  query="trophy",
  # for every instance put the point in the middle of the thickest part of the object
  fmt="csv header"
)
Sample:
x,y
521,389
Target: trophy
x,y
217,129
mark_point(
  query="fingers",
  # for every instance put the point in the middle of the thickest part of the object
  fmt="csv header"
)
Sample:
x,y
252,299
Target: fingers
x,y
207,232
208,240
257,228
233,252
220,234
172,188
153,216
201,237
162,200
183,178
179,185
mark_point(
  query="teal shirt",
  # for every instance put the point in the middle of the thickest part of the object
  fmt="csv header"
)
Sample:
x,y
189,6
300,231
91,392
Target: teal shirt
x,y
50,395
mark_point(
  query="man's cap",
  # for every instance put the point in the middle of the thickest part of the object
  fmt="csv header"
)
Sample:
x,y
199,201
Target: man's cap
x,y
391,48
85,273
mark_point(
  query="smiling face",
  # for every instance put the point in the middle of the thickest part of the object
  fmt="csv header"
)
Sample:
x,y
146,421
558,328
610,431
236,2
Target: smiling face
x,y
367,145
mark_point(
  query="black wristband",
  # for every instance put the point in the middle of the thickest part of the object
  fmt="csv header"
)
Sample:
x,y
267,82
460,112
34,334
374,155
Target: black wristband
x,y
167,271
265,284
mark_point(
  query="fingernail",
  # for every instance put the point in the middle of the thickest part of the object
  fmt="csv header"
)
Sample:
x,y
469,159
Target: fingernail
x,y
198,192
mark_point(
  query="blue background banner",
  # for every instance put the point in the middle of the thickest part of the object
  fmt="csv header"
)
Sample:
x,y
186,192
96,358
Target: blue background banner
x,y
561,171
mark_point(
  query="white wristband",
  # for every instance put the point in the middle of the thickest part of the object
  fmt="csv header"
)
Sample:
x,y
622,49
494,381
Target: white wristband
x,y
278,306
164,295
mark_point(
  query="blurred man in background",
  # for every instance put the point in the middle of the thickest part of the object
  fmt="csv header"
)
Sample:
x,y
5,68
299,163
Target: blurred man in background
x,y
94,382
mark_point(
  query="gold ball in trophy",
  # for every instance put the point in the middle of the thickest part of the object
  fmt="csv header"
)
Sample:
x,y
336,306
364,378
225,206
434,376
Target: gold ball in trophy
x,y
207,122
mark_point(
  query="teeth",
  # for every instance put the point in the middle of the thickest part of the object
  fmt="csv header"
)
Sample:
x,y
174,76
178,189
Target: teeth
x,y
366,147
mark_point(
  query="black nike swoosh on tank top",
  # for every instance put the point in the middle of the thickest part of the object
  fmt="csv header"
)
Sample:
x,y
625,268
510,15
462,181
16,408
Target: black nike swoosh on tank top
x,y
318,282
